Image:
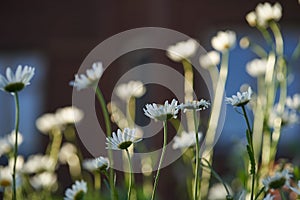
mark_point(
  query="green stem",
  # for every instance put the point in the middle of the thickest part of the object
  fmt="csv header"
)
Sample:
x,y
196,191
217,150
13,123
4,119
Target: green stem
x,y
130,177
17,118
97,180
252,151
197,157
282,195
161,160
108,132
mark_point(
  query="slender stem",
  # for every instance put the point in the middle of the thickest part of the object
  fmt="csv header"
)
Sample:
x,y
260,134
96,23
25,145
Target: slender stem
x,y
197,157
247,120
108,132
282,194
160,161
104,110
97,180
130,177
17,118
251,146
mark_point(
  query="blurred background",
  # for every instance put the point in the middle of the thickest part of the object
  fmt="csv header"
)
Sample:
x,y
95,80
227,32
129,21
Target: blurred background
x,y
55,37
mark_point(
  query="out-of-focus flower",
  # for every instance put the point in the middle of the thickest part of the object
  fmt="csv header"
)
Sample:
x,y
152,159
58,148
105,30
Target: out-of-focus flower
x,y
79,189
66,152
38,163
210,59
185,140
100,163
69,115
7,143
296,190
251,18
264,13
43,180
182,50
122,140
5,177
277,181
162,112
257,67
130,89
19,163
244,43
293,102
62,117
194,105
47,122
224,40
15,82
269,197
218,192
287,117
240,99
91,78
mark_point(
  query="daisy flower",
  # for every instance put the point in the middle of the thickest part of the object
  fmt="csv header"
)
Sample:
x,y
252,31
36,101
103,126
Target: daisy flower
x,y
210,59
69,115
296,190
130,89
38,163
240,99
257,67
79,188
47,122
224,40
251,18
90,79
67,152
277,181
265,13
5,177
122,140
43,180
185,140
269,197
287,117
100,163
162,112
15,82
182,50
293,102
194,105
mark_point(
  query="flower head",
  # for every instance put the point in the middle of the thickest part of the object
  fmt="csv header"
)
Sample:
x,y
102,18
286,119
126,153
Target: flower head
x,y
162,112
194,105
7,142
210,59
69,115
67,152
296,190
240,99
293,102
38,163
277,181
182,50
43,180
263,14
266,13
100,163
79,188
224,40
257,67
91,78
287,117
122,140
185,140
47,122
130,89
5,177
15,82
269,197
